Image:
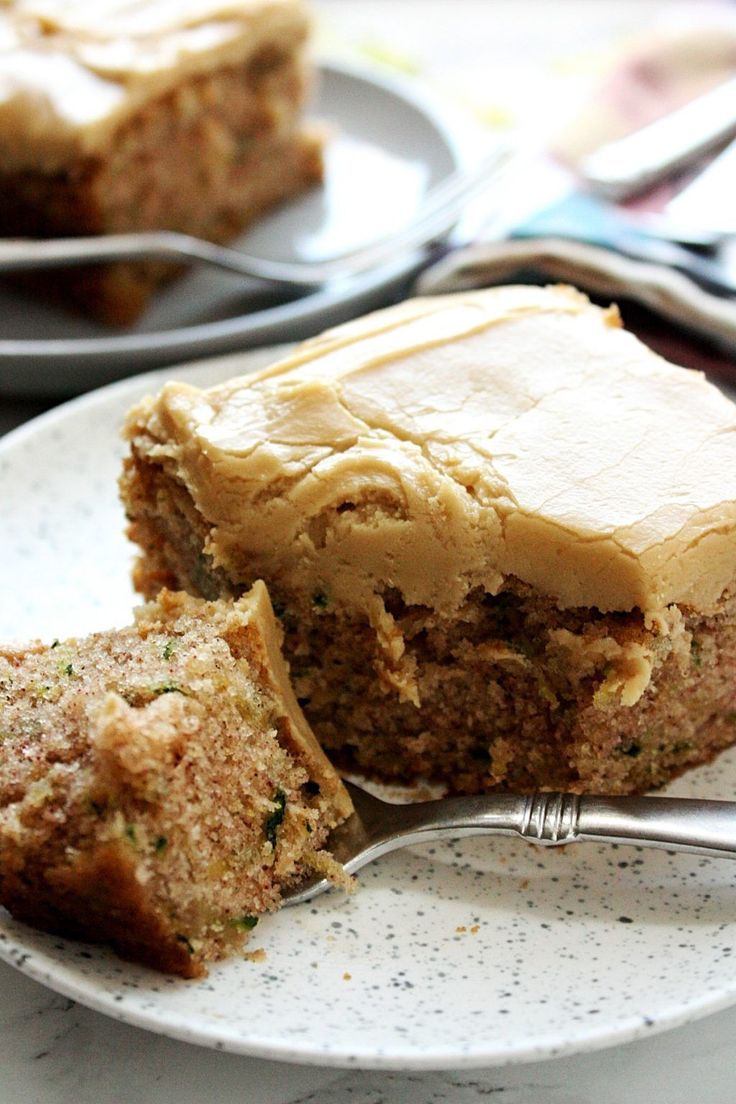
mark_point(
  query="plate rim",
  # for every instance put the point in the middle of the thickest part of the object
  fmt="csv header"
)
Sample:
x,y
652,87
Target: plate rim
x,y
61,978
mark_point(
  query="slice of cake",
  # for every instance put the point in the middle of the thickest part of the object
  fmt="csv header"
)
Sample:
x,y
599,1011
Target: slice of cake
x,y
499,531
117,115
159,784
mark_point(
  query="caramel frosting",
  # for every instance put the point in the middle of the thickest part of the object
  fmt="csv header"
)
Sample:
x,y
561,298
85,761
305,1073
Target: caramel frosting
x,y
447,443
72,70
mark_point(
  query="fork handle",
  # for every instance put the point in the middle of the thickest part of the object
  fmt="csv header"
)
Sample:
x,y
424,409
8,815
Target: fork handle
x,y
553,819
549,819
680,824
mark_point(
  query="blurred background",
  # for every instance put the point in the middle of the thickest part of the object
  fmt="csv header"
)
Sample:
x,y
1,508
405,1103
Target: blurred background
x,y
558,80
545,67
526,95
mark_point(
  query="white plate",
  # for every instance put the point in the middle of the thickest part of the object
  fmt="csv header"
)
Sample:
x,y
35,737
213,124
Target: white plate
x,y
450,955
388,146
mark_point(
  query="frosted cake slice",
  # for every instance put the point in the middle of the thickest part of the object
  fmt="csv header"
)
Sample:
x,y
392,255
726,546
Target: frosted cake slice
x,y
499,531
117,116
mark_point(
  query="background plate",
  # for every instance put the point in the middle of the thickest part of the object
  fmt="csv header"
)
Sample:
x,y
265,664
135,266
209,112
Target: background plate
x,y
451,955
388,145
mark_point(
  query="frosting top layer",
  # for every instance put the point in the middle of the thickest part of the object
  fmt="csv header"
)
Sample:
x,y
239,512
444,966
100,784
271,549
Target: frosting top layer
x,y
72,70
447,443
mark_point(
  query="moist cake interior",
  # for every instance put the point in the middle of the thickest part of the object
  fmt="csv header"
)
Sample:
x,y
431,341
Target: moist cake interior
x,y
158,784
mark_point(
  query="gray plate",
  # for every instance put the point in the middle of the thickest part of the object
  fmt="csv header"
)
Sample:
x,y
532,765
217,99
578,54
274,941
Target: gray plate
x,y
387,146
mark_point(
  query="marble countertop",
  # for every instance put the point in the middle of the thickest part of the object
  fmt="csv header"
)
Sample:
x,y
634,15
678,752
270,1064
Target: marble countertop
x,y
53,1051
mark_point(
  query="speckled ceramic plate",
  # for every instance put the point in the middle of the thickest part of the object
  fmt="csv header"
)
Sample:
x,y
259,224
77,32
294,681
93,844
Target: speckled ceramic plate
x,y
451,955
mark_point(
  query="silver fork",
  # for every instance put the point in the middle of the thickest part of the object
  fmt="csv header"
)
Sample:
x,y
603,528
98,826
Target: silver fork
x,y
550,819
438,213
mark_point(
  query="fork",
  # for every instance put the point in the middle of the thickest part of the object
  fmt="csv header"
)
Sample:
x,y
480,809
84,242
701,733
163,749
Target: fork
x,y
550,819
436,216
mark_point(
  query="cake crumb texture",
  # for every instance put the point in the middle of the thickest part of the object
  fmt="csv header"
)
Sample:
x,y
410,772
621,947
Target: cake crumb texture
x,y
159,785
